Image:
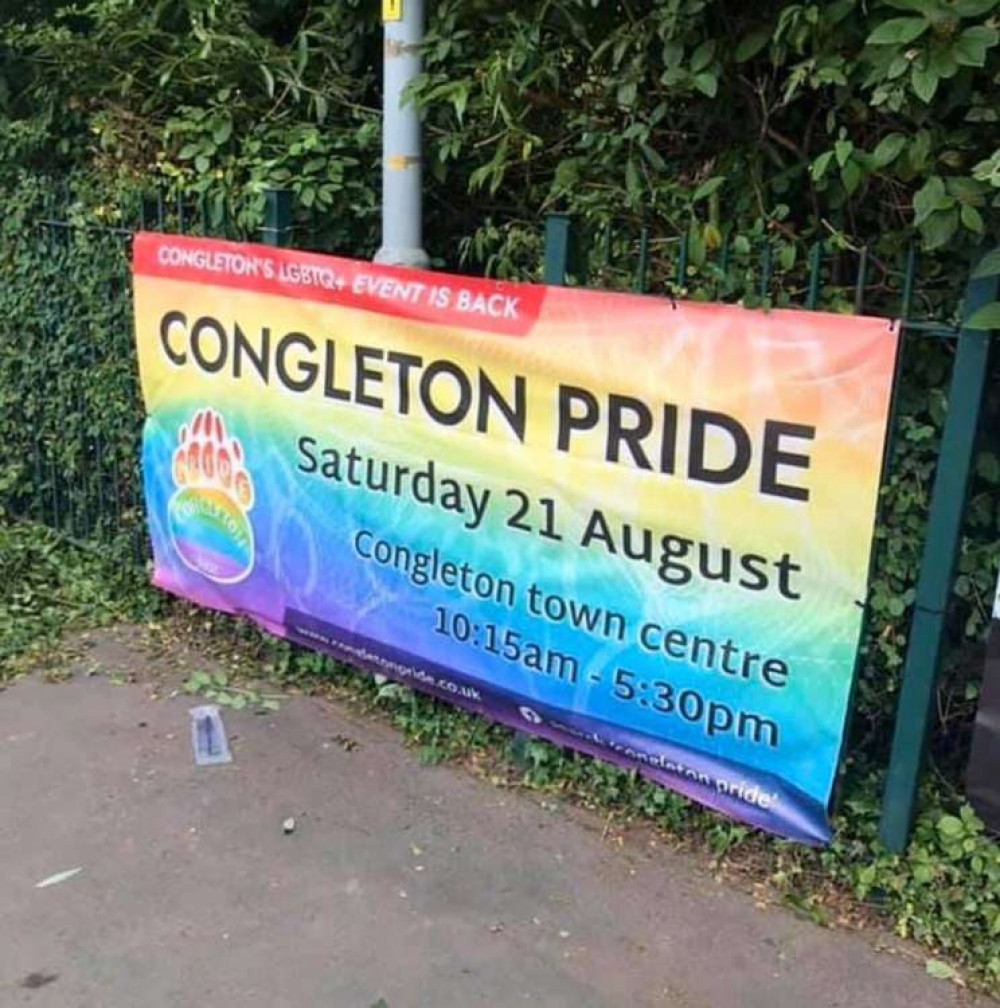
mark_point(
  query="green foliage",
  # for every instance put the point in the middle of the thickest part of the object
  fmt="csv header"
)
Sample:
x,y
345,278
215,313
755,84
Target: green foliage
x,y
69,406
858,119
47,588
219,688
844,113
213,98
944,892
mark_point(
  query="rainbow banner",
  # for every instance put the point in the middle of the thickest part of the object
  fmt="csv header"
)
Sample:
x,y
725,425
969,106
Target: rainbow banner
x,y
637,528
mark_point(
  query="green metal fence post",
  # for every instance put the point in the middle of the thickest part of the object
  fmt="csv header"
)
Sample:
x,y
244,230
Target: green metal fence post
x,y
941,546
558,237
277,229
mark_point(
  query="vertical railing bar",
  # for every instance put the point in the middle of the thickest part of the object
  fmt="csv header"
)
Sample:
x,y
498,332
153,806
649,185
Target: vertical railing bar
x,y
909,281
724,253
56,517
861,281
38,483
101,496
558,228
765,268
815,269
116,480
277,227
137,523
682,260
82,475
642,267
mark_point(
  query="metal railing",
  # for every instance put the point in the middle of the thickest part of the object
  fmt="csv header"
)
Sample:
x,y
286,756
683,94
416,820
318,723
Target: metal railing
x,y
90,490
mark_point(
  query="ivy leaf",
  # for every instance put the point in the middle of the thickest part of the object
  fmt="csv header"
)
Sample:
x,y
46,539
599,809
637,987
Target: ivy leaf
x,y
940,970
632,181
268,80
818,168
653,157
850,176
971,46
888,149
988,266
950,826
929,198
942,61
707,84
972,219
939,227
567,173
918,150
752,44
965,190
925,83
988,467
707,188
702,56
223,131
988,317
973,8
843,149
898,31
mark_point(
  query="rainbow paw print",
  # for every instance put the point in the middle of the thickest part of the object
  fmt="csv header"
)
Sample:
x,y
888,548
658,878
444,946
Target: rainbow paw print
x,y
208,519
206,457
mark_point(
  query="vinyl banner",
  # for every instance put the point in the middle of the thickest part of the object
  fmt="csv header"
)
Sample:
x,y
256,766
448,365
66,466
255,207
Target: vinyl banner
x,y
637,528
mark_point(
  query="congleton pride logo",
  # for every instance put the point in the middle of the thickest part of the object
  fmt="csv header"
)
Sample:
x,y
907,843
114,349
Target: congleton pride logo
x,y
208,514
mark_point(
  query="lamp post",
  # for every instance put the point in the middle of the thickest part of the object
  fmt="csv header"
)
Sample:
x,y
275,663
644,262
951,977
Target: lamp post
x,y
402,168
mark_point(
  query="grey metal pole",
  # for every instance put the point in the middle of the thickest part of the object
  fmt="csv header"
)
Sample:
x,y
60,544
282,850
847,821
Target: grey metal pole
x,y
402,170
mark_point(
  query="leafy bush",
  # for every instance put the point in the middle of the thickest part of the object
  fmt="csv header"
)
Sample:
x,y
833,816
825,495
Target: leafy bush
x,y
47,587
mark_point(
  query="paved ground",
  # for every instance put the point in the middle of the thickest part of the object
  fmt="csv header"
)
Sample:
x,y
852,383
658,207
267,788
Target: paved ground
x,y
403,886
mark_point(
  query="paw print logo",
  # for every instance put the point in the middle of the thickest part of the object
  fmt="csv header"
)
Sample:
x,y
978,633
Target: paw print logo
x,y
208,519
206,457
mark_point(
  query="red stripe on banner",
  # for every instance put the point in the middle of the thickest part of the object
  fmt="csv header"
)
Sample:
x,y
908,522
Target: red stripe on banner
x,y
421,295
